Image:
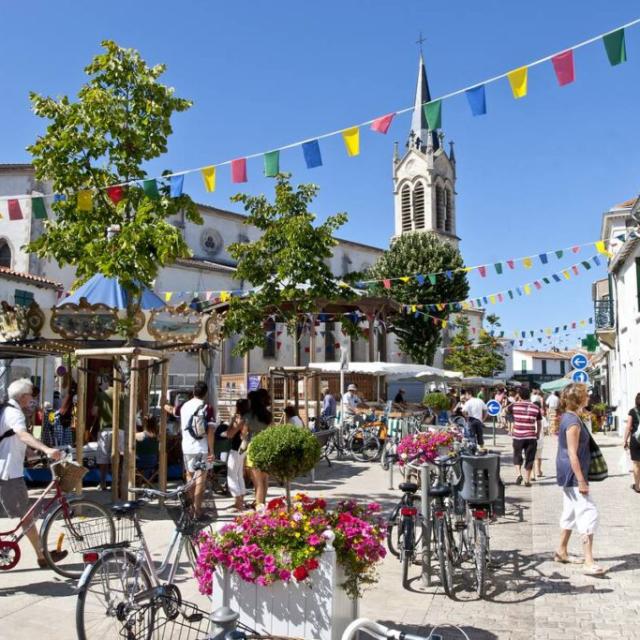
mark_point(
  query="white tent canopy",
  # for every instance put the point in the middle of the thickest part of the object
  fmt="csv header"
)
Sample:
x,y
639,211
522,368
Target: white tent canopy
x,y
392,370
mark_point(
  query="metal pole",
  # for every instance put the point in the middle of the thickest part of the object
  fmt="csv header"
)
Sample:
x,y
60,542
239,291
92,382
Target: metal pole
x,y
426,525
391,475
494,431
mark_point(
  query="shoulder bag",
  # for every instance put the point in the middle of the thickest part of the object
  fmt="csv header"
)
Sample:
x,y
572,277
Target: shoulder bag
x,y
598,469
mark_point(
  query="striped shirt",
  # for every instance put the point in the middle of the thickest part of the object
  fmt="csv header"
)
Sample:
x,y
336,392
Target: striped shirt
x,y
525,420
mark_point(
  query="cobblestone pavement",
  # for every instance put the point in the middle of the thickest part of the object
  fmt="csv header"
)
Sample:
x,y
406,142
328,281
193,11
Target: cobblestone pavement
x,y
530,596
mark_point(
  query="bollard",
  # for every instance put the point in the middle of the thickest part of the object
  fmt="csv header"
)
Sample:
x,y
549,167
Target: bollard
x,y
391,474
425,505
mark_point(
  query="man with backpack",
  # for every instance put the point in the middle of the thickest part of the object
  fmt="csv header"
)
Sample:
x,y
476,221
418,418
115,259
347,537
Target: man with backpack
x,y
14,440
196,422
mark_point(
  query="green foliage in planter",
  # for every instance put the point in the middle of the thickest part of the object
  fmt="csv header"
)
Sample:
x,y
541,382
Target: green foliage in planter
x,y
436,401
600,408
285,451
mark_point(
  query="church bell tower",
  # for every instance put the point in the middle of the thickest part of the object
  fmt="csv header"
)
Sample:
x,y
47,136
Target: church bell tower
x,y
424,178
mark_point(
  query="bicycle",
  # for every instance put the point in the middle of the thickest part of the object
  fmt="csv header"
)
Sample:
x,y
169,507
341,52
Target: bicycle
x,y
71,524
377,631
120,593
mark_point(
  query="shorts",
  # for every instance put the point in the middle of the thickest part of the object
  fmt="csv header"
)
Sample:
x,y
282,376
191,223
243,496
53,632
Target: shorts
x,y
189,458
528,448
103,452
14,497
579,513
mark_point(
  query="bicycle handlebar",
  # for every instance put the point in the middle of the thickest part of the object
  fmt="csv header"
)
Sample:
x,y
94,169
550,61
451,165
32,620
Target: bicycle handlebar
x,y
377,631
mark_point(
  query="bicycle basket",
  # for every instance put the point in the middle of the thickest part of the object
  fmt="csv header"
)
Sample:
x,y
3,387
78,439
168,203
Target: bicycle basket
x,y
69,475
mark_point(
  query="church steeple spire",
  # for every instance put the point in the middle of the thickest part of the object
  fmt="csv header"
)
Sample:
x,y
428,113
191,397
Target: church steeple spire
x,y
419,127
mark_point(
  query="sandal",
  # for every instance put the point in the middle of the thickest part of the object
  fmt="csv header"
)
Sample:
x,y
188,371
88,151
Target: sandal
x,y
566,559
519,480
633,486
527,484
594,570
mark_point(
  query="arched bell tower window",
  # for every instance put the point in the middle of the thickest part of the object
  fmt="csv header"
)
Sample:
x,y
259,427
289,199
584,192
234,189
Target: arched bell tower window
x,y
405,207
449,211
5,254
418,206
441,211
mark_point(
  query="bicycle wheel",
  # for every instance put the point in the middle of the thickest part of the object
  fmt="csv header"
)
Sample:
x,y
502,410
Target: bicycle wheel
x,y
481,551
445,563
394,533
82,525
387,450
365,448
408,550
106,606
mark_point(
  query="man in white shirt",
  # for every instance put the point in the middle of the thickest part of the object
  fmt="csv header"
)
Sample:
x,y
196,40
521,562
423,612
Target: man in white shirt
x,y
197,447
553,401
350,401
475,410
14,440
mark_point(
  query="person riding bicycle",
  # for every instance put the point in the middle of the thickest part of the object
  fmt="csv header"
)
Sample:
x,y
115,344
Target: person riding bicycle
x,y
14,440
475,411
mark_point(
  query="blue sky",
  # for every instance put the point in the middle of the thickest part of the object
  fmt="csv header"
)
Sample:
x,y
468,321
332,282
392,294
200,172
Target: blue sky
x,y
533,174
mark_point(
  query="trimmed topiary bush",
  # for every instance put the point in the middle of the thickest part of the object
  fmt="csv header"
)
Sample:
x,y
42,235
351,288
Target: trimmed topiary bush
x,y
285,452
436,401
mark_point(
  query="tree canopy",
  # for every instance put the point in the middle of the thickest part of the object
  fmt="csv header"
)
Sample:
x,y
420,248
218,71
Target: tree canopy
x,y
287,266
414,254
120,120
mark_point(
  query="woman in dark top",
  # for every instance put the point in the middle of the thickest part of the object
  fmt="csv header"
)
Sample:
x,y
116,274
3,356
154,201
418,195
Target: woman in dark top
x,y
258,419
631,442
235,460
579,512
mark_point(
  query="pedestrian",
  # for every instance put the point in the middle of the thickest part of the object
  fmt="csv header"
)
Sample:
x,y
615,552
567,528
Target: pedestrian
x,y
293,417
399,399
632,442
237,433
579,511
14,440
328,407
258,419
552,412
527,424
475,411
350,402
538,399
197,427
103,415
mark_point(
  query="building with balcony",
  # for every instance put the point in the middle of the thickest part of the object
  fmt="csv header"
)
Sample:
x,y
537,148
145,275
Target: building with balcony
x,y
535,367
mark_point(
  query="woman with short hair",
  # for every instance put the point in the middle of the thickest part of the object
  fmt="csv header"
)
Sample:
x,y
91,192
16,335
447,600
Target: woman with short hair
x,y
579,511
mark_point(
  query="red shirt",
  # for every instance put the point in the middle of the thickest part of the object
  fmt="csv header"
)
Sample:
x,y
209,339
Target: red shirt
x,y
525,420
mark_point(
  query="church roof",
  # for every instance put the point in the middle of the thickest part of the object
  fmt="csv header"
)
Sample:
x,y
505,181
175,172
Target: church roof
x,y
419,124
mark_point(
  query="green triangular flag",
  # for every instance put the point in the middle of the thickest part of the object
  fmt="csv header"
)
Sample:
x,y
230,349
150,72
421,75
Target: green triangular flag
x,y
271,164
510,294
546,280
616,48
559,253
586,265
432,278
38,209
433,114
151,188
498,266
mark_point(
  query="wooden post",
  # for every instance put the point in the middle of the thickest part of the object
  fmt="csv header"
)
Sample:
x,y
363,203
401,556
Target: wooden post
x,y
81,414
372,345
43,392
115,433
130,438
164,373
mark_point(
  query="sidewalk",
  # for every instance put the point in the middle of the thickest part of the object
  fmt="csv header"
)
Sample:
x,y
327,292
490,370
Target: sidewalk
x,y
530,596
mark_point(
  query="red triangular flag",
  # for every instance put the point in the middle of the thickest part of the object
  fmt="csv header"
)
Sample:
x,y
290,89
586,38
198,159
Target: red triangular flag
x,y
575,269
483,271
382,124
563,66
386,283
511,264
115,194
15,213
239,170
575,249
537,285
500,297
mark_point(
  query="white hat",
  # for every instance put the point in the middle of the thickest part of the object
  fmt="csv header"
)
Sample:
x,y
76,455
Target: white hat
x,y
352,387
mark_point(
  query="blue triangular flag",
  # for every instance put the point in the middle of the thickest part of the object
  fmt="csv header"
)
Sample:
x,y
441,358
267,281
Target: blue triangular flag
x,y
543,258
596,260
518,290
420,280
477,100
59,197
485,300
175,186
311,151
448,275
556,277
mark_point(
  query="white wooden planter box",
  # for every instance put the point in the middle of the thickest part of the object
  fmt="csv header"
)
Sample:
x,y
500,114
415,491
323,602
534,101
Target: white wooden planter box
x,y
318,609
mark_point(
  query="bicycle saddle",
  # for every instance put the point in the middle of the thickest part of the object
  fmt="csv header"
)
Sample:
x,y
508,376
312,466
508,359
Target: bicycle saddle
x,y
440,491
127,508
408,487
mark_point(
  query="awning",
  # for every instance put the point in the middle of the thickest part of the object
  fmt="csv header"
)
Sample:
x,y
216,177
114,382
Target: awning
x,y
555,385
392,370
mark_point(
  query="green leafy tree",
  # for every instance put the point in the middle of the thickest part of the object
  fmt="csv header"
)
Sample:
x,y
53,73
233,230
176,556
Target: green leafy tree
x,y
481,358
120,120
287,265
420,254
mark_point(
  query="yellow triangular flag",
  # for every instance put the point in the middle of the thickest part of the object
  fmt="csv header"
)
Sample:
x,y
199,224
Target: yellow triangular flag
x,y
566,275
224,296
601,247
209,177
85,198
492,299
444,324
518,82
351,139
548,331
405,278
167,296
527,262
414,308
583,323
527,289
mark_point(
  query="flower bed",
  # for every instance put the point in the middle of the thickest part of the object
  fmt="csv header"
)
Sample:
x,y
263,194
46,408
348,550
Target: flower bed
x,y
275,544
425,446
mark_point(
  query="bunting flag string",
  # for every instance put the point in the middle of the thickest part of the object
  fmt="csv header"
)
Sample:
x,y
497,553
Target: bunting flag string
x,y
563,64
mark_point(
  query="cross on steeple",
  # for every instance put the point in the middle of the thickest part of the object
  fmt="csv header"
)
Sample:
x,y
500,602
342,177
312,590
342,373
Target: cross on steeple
x,y
420,40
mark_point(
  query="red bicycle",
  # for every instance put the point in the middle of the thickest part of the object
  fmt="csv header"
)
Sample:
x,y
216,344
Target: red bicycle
x,y
70,524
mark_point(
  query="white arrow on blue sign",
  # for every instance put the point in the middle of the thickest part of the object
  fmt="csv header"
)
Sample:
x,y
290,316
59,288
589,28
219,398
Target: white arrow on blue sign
x,y
579,361
493,407
580,376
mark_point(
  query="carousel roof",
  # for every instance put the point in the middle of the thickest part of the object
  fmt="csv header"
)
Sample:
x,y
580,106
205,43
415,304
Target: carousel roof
x,y
108,291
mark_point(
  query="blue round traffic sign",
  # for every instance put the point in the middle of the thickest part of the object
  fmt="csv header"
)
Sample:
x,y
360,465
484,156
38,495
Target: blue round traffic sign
x,y
580,376
493,407
579,361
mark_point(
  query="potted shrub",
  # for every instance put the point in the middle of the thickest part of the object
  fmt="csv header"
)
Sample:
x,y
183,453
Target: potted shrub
x,y
439,403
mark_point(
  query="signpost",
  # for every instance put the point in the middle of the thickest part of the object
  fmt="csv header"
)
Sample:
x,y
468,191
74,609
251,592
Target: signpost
x,y
493,409
579,361
580,376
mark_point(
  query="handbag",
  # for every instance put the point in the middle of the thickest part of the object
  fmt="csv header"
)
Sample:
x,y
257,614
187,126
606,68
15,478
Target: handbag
x,y
598,469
